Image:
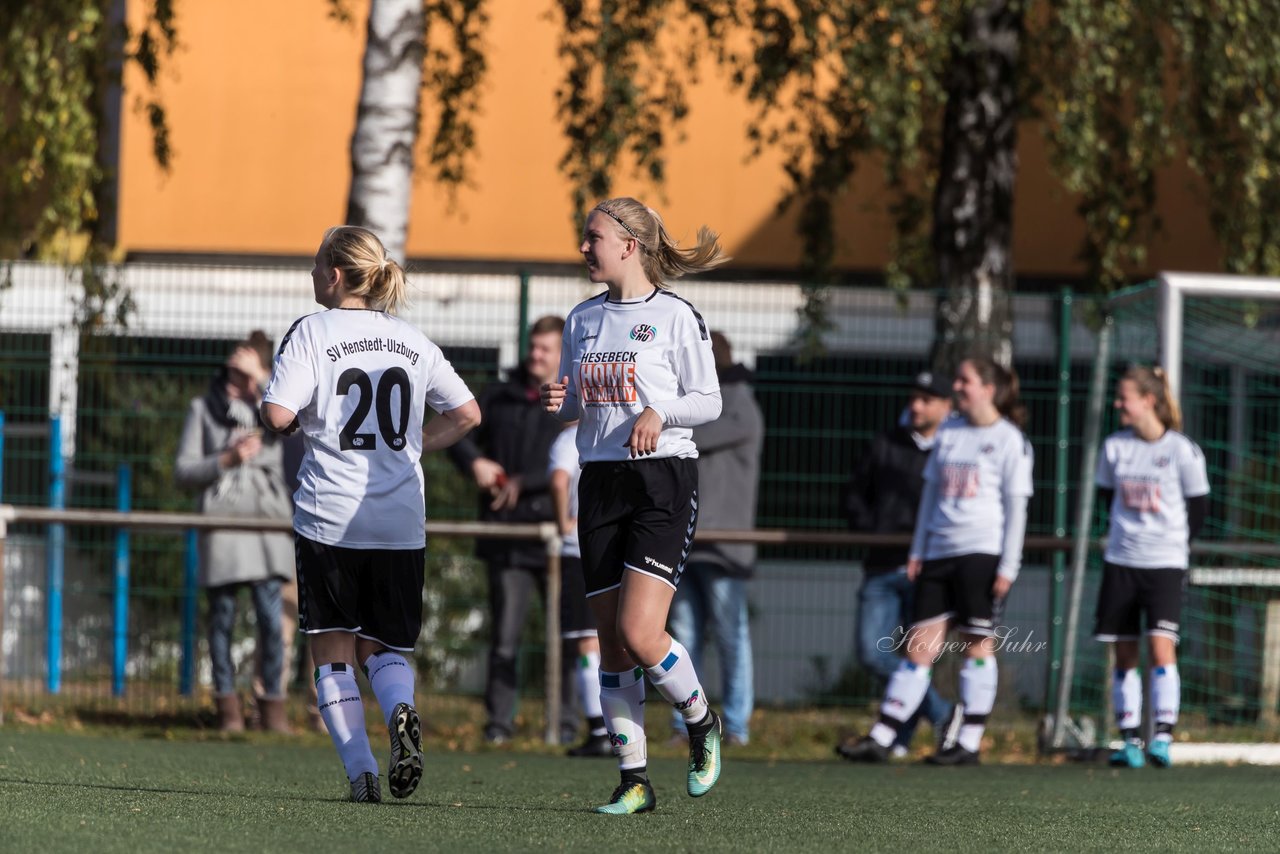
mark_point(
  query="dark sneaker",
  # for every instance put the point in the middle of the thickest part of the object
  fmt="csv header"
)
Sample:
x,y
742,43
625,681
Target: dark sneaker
x,y
953,755
865,749
704,756
948,731
630,797
404,770
366,789
595,745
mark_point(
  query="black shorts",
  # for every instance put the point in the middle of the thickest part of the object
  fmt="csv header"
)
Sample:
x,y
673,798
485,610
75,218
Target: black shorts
x,y
1127,591
639,515
576,619
373,593
959,589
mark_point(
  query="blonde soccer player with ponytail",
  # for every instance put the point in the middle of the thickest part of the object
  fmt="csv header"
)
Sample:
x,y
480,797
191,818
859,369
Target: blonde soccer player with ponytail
x,y
357,381
1154,484
637,371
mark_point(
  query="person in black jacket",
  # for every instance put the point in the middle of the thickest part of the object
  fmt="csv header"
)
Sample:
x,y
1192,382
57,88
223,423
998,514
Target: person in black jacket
x,y
713,588
883,496
507,458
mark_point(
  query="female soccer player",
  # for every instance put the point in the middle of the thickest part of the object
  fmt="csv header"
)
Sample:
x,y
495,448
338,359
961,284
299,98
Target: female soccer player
x,y
964,557
1153,482
357,381
638,372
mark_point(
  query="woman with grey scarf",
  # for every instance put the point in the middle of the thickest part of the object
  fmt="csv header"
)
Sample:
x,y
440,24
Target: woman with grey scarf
x,y
239,472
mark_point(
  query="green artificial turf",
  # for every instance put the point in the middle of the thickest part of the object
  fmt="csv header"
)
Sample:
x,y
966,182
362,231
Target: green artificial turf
x,y
90,793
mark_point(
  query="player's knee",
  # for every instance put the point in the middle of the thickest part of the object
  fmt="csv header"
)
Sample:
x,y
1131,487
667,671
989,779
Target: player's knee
x,y
644,643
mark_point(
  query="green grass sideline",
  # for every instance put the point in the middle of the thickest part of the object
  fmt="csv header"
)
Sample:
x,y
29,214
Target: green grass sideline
x,y
92,792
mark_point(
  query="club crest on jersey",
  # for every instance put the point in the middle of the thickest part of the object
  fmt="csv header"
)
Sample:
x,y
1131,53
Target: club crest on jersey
x,y
987,449
643,332
1161,462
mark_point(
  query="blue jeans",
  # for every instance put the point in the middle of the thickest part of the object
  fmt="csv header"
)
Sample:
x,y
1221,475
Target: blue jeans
x,y
222,620
707,595
884,612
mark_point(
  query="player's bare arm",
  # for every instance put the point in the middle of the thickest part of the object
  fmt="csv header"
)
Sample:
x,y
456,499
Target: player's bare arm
x,y
279,419
450,426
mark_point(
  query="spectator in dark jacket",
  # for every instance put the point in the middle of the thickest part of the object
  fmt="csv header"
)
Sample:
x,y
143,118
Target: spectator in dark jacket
x,y
883,496
507,457
713,587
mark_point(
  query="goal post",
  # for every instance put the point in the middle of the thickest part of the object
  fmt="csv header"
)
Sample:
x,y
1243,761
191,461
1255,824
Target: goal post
x,y
1173,290
1218,339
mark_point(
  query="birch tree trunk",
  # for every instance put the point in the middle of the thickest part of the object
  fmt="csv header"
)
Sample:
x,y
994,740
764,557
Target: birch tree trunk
x,y
973,201
386,133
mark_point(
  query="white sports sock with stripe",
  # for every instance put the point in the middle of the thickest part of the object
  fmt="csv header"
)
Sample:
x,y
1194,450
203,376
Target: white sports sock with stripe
x,y
677,682
588,679
338,696
1126,696
978,680
1166,697
902,696
622,700
391,678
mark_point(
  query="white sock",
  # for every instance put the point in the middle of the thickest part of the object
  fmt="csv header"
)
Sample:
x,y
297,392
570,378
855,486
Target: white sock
x,y
338,696
391,678
978,679
902,696
1126,696
1166,697
677,682
588,677
622,700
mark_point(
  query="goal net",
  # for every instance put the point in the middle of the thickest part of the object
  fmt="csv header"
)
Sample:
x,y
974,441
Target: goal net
x,y
1218,339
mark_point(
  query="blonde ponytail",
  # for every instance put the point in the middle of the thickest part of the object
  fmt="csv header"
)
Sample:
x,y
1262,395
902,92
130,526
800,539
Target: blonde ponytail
x,y
366,268
661,257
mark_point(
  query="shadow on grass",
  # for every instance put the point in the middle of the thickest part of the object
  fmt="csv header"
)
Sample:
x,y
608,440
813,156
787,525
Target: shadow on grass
x,y
253,796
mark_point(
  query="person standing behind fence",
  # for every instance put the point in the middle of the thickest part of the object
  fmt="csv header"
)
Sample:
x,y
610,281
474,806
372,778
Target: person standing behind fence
x,y
1155,487
357,380
637,368
577,625
240,472
507,457
883,497
713,589
965,555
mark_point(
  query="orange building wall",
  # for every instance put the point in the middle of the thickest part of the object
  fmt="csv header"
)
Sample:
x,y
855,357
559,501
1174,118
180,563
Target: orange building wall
x,y
261,101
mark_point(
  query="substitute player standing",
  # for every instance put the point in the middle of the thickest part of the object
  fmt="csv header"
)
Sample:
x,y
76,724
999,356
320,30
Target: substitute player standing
x,y
638,371
357,381
1153,481
965,555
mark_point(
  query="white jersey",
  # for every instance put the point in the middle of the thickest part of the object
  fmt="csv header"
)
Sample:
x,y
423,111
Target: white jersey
x,y
1152,481
973,469
360,381
564,457
623,356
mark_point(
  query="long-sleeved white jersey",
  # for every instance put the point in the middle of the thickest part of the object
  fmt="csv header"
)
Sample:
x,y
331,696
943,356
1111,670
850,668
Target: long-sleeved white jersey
x,y
621,357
